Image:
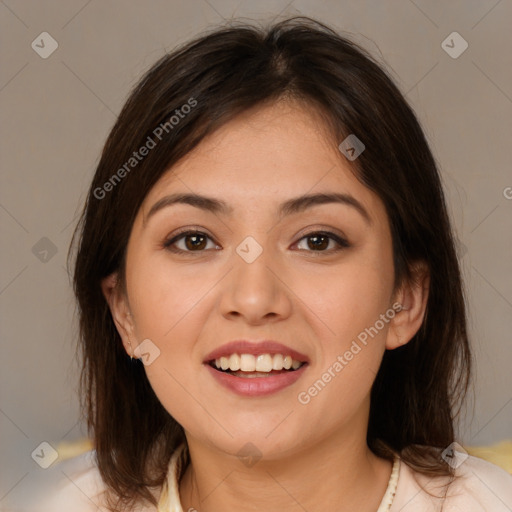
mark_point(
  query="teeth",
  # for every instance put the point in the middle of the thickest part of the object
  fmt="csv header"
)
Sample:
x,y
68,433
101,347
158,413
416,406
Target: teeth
x,y
247,363
277,363
263,363
295,364
234,362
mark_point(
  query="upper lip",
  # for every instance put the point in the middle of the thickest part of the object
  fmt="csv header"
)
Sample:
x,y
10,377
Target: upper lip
x,y
256,349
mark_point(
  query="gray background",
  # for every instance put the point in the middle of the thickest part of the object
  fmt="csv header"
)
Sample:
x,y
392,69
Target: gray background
x,y
58,111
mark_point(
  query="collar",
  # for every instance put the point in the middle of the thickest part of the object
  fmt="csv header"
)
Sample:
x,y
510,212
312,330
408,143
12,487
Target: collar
x,y
170,496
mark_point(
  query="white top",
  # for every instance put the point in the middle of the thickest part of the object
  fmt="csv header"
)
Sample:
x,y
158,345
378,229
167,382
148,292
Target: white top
x,y
75,485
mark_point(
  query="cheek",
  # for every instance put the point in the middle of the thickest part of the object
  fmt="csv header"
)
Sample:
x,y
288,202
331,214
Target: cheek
x,y
351,302
161,296
164,303
352,344
169,305
348,297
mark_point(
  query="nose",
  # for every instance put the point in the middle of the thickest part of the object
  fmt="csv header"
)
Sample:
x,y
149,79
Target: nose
x,y
256,291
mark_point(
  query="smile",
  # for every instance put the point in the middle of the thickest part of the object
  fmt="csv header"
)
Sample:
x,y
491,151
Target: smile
x,y
263,364
252,376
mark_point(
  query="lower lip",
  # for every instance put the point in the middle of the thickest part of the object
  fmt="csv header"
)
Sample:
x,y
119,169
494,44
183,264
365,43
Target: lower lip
x,y
257,386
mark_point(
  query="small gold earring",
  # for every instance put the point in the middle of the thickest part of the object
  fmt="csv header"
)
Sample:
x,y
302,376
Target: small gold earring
x,y
131,351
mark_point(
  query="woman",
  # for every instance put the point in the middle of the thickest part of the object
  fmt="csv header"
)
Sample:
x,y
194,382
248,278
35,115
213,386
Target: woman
x,y
271,309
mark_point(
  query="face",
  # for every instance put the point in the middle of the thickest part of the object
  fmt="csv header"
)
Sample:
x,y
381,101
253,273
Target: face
x,y
314,277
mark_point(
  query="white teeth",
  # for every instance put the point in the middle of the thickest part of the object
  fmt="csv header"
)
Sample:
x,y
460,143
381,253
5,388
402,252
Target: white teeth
x,y
234,362
295,364
247,363
264,363
277,363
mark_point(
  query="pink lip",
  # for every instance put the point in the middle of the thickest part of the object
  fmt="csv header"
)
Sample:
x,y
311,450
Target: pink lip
x,y
256,349
257,386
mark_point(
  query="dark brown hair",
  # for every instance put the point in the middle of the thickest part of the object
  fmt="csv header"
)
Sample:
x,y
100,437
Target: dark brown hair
x,y
225,73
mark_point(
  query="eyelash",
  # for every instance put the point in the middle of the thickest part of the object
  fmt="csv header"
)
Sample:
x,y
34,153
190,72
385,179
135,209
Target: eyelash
x,y
342,243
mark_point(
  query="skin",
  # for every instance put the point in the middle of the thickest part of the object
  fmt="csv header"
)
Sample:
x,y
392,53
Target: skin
x,y
314,456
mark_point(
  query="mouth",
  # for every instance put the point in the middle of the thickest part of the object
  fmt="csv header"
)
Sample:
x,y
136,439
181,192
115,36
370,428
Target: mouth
x,y
255,369
249,366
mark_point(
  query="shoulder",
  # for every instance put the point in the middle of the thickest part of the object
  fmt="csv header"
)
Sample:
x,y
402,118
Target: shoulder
x,y
74,484
478,486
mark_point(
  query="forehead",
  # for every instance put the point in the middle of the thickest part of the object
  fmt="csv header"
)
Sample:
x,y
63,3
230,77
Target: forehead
x,y
265,155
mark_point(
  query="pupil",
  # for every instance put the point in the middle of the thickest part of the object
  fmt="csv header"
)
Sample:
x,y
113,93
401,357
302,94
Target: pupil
x,y
195,244
320,245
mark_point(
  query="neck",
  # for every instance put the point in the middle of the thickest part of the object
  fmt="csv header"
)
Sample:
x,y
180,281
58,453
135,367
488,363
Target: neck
x,y
331,475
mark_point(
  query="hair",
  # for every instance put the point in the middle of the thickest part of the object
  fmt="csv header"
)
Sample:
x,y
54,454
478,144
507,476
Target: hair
x,y
220,75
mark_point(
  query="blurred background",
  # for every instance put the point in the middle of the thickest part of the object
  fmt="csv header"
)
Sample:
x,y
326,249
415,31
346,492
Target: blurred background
x,y
66,70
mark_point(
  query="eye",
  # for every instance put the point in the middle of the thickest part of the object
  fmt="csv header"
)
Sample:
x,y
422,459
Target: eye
x,y
197,241
193,241
319,241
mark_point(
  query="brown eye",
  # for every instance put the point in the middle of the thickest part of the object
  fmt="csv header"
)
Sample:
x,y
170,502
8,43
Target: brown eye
x,y
319,242
189,241
193,242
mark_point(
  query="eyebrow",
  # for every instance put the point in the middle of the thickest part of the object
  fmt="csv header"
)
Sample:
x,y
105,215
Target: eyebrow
x,y
289,207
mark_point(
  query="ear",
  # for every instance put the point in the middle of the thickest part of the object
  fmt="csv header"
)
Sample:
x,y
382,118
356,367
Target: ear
x,y
120,310
413,297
